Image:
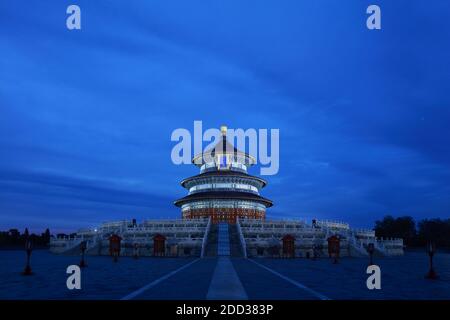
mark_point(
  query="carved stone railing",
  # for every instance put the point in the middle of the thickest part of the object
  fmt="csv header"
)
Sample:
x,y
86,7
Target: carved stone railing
x,y
241,238
205,237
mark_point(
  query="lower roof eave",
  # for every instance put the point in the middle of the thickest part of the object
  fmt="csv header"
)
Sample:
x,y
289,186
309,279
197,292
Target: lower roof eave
x,y
208,196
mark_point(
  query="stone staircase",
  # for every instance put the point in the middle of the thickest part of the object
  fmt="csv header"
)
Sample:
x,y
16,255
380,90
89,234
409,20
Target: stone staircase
x,y
235,242
223,240
211,245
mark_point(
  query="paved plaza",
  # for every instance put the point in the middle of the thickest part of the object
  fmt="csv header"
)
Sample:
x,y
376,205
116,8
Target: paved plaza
x,y
192,279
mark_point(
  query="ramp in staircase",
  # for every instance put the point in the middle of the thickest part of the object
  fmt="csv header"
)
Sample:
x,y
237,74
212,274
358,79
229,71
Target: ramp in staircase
x,y
223,243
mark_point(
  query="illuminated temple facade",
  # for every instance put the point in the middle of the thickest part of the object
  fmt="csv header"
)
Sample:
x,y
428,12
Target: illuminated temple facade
x,y
223,190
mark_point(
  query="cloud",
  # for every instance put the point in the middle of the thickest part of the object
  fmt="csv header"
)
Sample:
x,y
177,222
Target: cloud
x,y
77,200
86,116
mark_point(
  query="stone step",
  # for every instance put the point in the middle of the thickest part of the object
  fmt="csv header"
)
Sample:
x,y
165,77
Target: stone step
x,y
211,244
235,242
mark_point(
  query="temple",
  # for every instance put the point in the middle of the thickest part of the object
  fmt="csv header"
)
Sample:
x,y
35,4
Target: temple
x,y
225,215
223,190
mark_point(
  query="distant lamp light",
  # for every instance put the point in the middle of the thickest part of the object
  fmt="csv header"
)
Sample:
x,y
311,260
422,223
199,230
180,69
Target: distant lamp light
x,y
370,251
83,247
431,250
28,248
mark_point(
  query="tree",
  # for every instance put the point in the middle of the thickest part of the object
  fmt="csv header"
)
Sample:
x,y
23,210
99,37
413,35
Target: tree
x,y
402,227
435,230
13,238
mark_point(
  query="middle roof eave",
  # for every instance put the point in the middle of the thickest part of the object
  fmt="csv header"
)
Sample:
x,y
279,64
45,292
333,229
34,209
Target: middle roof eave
x,y
223,173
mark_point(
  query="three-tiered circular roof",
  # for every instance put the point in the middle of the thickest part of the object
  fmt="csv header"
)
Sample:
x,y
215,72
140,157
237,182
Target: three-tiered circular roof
x,y
234,173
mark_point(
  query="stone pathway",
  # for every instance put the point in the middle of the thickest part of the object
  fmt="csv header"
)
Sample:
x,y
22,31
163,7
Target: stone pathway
x,y
222,278
140,291
295,283
225,284
262,284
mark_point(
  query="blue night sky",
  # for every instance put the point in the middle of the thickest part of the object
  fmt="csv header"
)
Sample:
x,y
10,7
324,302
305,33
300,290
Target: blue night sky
x,y
86,116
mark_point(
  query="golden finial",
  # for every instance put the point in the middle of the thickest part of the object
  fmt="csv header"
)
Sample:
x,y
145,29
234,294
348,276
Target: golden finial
x,y
223,129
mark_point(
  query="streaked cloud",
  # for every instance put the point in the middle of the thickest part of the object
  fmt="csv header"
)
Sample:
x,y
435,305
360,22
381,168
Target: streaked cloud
x,y
86,117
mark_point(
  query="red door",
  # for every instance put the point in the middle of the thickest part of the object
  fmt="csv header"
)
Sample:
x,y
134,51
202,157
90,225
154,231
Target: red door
x,y
159,245
289,246
114,246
